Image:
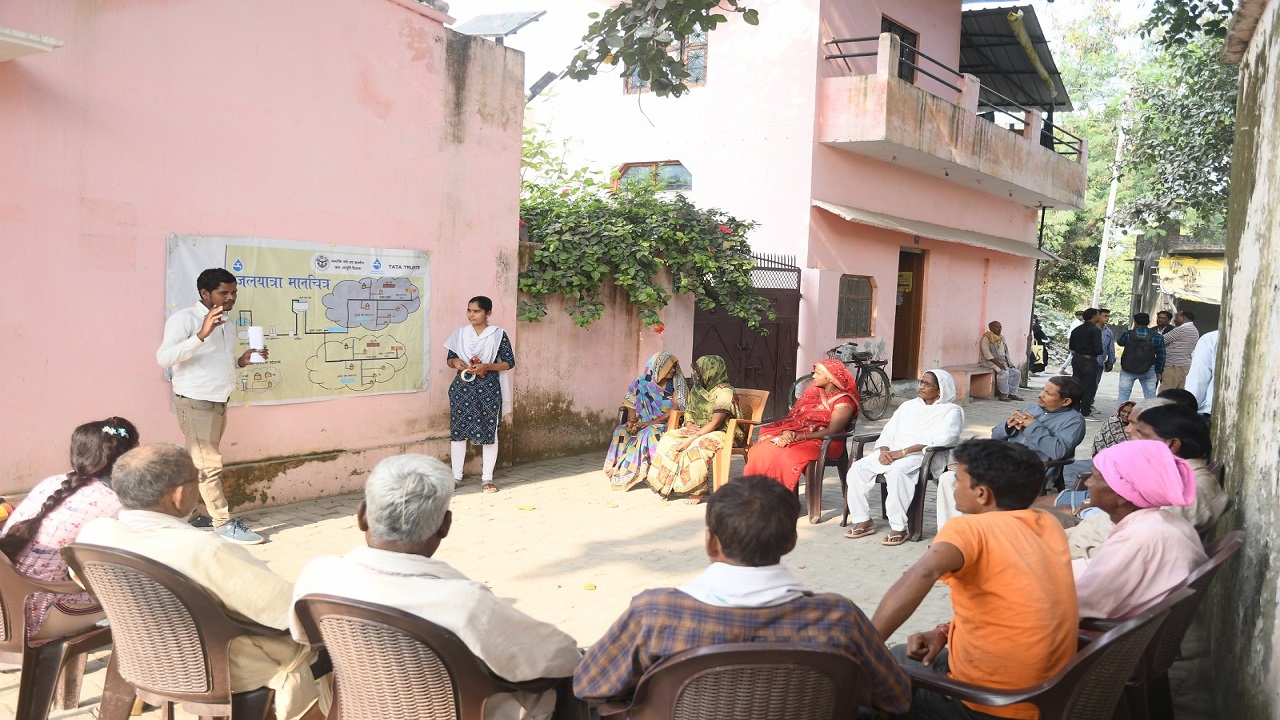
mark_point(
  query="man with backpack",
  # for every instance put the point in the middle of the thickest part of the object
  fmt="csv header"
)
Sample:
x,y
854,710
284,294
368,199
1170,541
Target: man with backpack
x,y
1143,358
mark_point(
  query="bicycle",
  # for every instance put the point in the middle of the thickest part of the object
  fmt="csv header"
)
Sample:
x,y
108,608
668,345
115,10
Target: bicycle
x,y
872,381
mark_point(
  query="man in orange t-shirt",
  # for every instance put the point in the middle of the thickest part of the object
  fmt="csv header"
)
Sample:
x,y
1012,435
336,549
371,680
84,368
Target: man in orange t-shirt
x,y
1012,590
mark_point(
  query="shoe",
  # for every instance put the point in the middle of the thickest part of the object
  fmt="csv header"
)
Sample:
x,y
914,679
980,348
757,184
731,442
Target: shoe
x,y
201,521
236,532
1015,397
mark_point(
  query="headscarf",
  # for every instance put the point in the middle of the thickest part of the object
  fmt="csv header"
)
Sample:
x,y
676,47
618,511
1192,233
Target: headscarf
x,y
648,397
837,373
946,386
710,374
1147,474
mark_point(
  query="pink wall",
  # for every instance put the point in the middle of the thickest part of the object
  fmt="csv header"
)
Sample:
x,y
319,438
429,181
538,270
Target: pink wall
x,y
359,123
936,21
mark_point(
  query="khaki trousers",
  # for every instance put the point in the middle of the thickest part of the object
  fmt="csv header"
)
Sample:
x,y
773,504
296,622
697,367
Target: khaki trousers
x,y
1175,376
202,423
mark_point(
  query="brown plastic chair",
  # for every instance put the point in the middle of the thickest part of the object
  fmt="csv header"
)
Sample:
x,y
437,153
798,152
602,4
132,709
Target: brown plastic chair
x,y
51,672
749,681
751,404
1148,693
173,639
388,663
1088,688
814,471
915,511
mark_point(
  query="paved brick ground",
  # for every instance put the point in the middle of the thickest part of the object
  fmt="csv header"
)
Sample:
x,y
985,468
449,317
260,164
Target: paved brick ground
x,y
572,552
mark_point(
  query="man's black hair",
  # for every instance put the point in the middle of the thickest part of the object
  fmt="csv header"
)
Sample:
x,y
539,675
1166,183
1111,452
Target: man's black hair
x,y
754,518
1104,311
1176,422
1142,319
212,278
1182,398
1070,388
1166,313
1188,314
1090,314
1013,472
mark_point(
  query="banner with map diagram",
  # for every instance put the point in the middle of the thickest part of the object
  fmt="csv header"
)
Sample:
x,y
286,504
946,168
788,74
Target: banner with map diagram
x,y
339,321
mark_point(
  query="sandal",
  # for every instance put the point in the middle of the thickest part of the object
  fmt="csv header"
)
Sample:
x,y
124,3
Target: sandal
x,y
856,532
489,488
895,537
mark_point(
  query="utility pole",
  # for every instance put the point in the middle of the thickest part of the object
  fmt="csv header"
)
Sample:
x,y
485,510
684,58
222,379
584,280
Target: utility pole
x,y
1111,207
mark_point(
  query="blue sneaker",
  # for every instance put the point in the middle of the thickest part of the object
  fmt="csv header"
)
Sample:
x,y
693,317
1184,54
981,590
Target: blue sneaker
x,y
236,532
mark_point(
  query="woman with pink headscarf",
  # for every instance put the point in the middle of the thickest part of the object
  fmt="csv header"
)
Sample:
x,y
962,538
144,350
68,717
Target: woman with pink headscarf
x,y
1149,551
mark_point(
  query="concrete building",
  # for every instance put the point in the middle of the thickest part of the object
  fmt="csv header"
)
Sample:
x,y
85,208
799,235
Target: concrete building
x,y
364,123
907,189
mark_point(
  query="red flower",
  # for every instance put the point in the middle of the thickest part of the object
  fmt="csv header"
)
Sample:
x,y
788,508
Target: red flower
x,y
564,191
659,328
521,222
725,229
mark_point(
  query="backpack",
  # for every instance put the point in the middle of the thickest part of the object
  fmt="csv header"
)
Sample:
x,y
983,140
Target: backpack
x,y
1139,355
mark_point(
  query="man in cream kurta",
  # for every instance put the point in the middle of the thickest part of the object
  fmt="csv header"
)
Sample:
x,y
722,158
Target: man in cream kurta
x,y
405,515
154,527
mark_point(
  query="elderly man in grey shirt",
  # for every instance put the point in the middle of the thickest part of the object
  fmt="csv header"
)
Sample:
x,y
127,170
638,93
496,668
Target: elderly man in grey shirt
x,y
1050,427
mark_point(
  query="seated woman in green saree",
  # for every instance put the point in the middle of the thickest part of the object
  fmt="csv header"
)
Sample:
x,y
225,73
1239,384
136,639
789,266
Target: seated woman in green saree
x,y
681,464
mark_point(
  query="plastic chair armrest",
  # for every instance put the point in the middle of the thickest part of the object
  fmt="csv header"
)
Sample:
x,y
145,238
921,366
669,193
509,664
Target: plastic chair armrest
x,y
930,680
612,709
862,441
62,587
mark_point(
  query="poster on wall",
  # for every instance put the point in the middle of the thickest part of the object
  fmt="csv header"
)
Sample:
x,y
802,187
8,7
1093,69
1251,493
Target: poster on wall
x,y
338,321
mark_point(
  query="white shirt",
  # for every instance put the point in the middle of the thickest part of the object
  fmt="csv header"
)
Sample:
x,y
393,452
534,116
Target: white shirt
x,y
201,370
516,647
1200,376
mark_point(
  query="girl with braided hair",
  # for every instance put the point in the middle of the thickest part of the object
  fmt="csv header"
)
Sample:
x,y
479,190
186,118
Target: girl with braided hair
x,y
51,517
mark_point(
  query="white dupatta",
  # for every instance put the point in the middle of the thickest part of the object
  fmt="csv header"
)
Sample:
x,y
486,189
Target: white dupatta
x,y
466,344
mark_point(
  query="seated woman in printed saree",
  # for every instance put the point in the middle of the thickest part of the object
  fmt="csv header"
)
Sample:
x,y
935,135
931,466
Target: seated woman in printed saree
x,y
51,516
787,446
649,400
682,461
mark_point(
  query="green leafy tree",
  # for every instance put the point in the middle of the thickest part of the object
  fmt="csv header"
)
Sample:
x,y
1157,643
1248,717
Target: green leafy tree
x,y
639,35
1174,22
1180,130
589,235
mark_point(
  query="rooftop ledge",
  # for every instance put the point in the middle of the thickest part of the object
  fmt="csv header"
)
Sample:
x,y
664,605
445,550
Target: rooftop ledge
x,y
883,117
15,44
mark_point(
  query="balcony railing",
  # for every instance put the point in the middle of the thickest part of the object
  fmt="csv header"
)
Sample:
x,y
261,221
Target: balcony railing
x,y
985,102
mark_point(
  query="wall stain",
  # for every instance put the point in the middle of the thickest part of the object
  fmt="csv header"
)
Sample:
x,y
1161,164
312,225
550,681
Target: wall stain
x,y
546,425
457,55
251,482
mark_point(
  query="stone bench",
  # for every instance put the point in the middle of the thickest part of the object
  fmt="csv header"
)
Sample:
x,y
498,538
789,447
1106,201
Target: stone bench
x,y
973,381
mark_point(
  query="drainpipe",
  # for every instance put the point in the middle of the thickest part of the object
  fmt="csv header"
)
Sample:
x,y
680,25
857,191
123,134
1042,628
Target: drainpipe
x,y
1020,32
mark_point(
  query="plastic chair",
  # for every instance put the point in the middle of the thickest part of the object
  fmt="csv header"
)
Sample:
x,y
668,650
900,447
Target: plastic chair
x,y
52,671
1088,688
1148,693
749,681
928,471
751,404
392,664
173,639
815,471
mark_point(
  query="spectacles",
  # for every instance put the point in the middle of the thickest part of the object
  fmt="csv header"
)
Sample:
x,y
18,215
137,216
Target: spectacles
x,y
926,383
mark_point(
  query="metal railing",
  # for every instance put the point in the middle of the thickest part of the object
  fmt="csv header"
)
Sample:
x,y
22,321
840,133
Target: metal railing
x,y
1049,135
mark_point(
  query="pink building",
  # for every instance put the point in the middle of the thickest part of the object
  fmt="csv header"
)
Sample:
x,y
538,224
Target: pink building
x,y
910,193
356,123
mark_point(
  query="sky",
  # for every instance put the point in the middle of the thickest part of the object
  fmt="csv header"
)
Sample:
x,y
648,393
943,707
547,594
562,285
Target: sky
x,y
550,42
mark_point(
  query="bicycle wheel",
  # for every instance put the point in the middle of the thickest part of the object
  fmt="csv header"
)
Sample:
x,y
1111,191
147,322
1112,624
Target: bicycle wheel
x,y
876,392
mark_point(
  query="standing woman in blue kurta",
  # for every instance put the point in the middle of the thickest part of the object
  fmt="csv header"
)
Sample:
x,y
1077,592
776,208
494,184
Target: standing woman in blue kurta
x,y
481,393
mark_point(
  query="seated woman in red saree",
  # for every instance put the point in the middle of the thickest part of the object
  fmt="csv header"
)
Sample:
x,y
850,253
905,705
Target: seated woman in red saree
x,y
785,447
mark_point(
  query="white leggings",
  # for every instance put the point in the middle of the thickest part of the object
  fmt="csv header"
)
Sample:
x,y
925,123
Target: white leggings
x,y
488,454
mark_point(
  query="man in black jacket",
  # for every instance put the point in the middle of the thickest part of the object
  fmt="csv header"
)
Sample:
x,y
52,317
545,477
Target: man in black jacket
x,y
1085,344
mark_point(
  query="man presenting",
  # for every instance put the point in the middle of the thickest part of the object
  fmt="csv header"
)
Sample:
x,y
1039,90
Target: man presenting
x,y
199,350
995,355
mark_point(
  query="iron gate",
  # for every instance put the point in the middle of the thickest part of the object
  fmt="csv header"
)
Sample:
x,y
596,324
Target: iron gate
x,y
762,362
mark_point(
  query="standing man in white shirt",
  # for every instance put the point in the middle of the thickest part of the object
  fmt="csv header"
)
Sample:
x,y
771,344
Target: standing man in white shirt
x,y
1200,376
199,350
